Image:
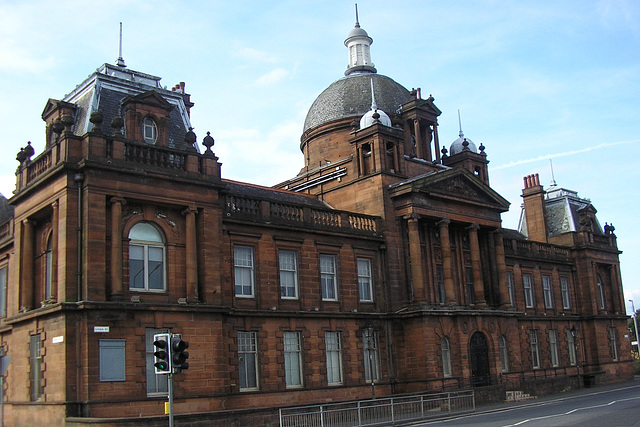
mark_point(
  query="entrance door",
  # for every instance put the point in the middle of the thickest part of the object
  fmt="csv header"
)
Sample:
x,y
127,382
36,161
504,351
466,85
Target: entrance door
x,y
479,357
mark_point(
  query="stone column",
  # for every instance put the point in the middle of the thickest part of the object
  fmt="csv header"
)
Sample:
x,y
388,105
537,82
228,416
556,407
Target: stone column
x,y
116,246
54,251
26,285
416,131
415,254
503,289
191,253
449,290
478,286
436,142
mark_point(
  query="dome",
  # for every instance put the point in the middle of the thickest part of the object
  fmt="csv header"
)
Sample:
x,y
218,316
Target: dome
x,y
357,32
368,119
458,145
350,97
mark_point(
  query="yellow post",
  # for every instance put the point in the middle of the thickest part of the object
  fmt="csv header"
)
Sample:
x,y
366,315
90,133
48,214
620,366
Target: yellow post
x,y
166,408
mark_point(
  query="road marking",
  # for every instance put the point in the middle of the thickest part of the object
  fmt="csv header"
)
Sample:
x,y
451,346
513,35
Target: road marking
x,y
569,412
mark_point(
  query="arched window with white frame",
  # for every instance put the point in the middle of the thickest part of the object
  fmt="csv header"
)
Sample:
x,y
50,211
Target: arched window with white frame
x,y
149,130
146,258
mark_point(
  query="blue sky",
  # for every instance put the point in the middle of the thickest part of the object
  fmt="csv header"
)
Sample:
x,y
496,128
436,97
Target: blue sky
x,y
533,81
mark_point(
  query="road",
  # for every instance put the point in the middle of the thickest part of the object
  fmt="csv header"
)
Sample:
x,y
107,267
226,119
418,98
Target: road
x,y
617,405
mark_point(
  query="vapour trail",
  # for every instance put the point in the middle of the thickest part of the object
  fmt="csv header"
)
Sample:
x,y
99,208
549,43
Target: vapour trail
x,y
566,153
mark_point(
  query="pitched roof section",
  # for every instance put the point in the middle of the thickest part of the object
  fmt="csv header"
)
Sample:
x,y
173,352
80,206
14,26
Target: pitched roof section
x,y
453,193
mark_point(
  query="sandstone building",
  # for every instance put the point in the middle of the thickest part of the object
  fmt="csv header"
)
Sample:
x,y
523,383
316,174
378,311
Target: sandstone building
x,y
384,260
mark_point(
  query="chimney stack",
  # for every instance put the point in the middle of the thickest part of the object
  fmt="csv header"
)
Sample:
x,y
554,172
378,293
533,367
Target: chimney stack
x,y
534,209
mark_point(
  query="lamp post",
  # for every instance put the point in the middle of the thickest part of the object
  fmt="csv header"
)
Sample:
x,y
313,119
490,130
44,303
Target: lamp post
x,y
635,324
368,331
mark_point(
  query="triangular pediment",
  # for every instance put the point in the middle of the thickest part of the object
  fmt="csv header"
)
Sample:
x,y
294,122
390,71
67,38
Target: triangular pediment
x,y
151,98
455,185
54,105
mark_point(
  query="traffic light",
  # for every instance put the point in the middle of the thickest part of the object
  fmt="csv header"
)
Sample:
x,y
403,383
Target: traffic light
x,y
179,355
162,353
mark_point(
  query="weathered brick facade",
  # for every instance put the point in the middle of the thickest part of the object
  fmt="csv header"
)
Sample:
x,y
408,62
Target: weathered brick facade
x,y
387,230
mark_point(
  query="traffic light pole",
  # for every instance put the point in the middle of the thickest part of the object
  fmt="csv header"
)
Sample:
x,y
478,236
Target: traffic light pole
x,y
170,390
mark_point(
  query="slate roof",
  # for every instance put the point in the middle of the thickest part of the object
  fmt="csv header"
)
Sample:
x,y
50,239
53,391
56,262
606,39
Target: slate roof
x,y
273,195
6,210
104,91
562,208
350,96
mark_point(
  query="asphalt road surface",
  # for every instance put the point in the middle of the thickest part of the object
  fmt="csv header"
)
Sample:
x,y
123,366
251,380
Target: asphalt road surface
x,y
609,406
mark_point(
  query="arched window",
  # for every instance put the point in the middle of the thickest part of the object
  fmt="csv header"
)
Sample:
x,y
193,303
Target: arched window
x,y
504,354
446,356
149,130
146,258
48,269
601,292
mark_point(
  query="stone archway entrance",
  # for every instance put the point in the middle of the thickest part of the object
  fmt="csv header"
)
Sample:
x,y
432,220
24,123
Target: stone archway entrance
x,y
479,359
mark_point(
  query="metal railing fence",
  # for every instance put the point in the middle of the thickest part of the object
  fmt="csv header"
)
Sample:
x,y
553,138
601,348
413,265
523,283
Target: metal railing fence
x,y
384,411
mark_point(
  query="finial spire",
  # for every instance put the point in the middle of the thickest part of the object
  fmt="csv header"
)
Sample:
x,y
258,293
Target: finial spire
x,y
374,106
553,179
120,61
357,21
460,125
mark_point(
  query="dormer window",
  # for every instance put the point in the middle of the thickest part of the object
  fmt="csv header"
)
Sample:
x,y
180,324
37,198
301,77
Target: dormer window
x,y
149,130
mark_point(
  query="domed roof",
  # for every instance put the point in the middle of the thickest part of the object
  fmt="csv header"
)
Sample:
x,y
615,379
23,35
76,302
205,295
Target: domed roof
x,y
458,145
351,97
358,32
372,116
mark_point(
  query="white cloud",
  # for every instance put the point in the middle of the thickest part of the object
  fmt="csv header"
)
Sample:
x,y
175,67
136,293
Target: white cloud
x,y
254,55
272,77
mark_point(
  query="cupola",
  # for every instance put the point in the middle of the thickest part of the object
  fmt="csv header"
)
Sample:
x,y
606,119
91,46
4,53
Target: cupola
x,y
358,42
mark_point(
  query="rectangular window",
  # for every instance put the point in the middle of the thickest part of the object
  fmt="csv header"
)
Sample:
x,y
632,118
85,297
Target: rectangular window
x,y
248,360
535,349
112,360
468,274
445,347
334,357
293,359
564,287
504,354
35,367
440,281
243,271
512,299
146,267
288,274
553,347
527,283
3,292
601,292
547,290
157,385
328,277
571,342
613,343
365,280
371,356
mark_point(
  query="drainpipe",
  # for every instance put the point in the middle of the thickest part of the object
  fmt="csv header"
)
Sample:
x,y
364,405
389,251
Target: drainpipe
x,y
78,179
